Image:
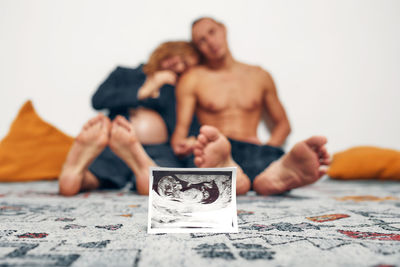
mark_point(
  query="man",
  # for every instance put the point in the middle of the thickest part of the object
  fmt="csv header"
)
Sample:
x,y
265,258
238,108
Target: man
x,y
229,97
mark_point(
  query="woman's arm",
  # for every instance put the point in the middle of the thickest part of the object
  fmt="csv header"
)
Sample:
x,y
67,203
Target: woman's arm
x,y
124,88
119,90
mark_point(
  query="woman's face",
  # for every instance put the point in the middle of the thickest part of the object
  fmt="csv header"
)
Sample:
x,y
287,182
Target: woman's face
x,y
179,64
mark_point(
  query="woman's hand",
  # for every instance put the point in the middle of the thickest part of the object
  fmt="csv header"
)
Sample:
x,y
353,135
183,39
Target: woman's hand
x,y
162,77
153,83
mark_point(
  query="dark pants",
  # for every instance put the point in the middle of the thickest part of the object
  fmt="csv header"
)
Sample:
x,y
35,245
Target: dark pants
x,y
254,158
113,173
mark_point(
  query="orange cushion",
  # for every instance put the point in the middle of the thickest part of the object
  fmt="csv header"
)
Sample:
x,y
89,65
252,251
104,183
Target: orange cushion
x,y
366,162
33,149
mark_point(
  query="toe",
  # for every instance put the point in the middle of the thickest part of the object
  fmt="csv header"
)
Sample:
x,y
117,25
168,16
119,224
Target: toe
x,y
316,141
198,145
321,173
323,153
198,152
210,132
198,161
94,120
202,139
325,161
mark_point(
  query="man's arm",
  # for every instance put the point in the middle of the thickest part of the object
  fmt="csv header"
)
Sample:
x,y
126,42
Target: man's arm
x,y
185,108
280,128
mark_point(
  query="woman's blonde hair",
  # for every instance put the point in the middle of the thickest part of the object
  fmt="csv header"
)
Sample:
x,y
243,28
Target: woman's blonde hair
x,y
166,50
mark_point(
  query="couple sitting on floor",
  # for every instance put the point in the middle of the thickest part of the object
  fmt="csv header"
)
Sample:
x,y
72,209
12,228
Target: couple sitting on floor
x,y
153,123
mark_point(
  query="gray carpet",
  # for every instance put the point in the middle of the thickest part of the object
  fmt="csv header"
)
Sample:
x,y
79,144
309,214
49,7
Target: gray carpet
x,y
330,223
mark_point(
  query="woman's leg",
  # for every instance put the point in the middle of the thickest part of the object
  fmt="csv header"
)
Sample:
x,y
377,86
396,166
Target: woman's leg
x,y
125,144
90,142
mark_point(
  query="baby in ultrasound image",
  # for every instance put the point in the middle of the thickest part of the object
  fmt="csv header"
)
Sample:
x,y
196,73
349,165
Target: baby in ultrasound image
x,y
178,190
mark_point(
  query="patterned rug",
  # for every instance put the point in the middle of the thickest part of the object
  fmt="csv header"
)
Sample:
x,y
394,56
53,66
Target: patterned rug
x,y
333,223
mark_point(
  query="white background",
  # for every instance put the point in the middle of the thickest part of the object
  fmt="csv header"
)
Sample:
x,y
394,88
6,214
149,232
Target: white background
x,y
336,64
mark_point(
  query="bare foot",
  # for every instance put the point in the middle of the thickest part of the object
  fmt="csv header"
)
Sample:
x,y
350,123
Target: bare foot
x,y
125,144
87,146
213,149
301,166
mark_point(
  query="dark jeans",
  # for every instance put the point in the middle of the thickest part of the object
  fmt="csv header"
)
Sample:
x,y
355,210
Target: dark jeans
x,y
113,173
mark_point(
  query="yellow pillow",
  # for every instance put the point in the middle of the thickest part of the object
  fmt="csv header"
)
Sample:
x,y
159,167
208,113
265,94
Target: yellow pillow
x,y
33,149
366,162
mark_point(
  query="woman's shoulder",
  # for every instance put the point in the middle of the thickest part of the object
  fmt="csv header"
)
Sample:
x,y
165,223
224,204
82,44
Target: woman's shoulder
x,y
121,68
128,73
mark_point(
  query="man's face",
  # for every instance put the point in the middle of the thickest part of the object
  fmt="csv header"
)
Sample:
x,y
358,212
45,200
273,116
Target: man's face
x,y
210,39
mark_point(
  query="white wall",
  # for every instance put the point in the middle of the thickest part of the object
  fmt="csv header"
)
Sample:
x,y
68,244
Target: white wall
x,y
336,63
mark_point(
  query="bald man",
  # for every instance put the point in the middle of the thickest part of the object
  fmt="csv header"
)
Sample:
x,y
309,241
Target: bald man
x,y
229,98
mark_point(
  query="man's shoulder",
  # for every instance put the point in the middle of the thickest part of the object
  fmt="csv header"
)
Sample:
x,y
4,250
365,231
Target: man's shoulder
x,y
189,78
193,73
256,69
259,74
197,70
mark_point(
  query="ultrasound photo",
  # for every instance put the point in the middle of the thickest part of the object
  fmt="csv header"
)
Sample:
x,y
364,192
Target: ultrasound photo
x,y
192,200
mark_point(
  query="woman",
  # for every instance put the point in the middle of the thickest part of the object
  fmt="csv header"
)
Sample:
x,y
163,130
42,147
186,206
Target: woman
x,y
144,96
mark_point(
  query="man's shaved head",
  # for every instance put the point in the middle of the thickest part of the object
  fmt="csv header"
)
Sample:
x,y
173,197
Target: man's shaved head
x,y
203,18
209,36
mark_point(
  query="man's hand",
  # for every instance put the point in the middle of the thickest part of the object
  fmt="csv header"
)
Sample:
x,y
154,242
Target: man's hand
x,y
183,147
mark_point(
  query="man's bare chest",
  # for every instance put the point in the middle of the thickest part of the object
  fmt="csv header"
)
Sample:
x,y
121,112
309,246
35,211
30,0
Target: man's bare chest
x,y
222,92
